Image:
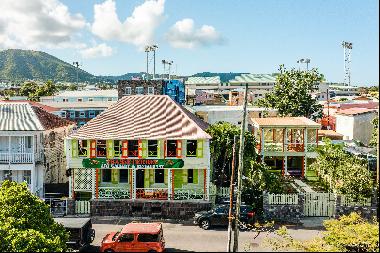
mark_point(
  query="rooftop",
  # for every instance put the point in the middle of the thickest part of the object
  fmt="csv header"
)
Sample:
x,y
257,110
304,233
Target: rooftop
x,y
355,111
329,133
88,93
22,116
40,105
254,78
150,228
284,122
223,108
144,117
213,80
73,105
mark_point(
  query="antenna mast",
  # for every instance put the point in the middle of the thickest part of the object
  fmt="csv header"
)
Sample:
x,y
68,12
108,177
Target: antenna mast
x,y
347,47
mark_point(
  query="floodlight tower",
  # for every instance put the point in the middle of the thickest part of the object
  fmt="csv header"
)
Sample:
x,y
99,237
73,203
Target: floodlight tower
x,y
347,47
147,50
154,48
164,62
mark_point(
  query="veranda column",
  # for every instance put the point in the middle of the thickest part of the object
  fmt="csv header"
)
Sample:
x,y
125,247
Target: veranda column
x,y
33,171
94,183
134,184
208,184
169,184
305,147
262,144
286,165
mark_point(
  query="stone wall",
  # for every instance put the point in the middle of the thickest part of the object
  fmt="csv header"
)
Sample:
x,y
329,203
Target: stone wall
x,y
122,84
154,209
283,213
367,212
54,156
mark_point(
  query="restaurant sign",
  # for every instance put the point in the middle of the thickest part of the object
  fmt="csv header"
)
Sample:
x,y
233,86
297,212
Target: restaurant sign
x,y
102,163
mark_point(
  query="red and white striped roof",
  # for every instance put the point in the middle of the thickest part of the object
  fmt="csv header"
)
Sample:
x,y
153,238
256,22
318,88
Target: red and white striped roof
x,y
144,117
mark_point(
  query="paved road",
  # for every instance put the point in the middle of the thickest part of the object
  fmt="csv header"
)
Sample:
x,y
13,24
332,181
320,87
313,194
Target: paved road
x,y
189,238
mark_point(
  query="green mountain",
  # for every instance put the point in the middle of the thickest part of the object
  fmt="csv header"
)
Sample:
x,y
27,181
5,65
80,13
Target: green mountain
x,y
18,65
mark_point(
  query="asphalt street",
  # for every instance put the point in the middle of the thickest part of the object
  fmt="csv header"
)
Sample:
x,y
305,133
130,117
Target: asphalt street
x,y
191,238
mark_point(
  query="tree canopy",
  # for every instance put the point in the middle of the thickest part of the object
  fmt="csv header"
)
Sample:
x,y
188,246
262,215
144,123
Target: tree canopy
x,y
342,172
26,224
375,132
34,91
349,233
222,134
291,94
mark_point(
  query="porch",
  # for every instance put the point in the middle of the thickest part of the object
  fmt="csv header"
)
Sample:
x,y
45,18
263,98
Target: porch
x,y
18,150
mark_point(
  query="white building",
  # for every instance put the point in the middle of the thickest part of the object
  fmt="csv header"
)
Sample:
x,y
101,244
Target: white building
x,y
355,124
25,131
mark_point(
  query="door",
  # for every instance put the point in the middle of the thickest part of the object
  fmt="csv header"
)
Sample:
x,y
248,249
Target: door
x,y
125,243
220,216
140,173
319,204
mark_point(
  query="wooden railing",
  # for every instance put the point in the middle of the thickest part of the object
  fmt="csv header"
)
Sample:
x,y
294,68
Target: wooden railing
x,y
82,207
16,157
297,147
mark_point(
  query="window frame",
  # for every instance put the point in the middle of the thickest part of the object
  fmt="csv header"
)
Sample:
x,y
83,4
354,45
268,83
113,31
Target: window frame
x,y
150,90
121,235
80,149
139,87
27,178
65,100
117,153
127,177
167,148
103,145
192,176
149,151
82,116
63,114
103,174
187,148
131,151
72,114
91,114
79,99
129,91
90,99
156,171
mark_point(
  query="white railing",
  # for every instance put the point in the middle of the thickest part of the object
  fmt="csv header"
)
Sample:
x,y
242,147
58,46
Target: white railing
x,y
283,199
82,207
347,201
114,193
184,194
16,157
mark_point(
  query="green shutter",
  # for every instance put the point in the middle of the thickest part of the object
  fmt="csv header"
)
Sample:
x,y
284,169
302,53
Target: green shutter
x,y
110,150
146,178
159,143
151,176
74,148
195,176
184,176
177,178
99,176
166,176
115,176
200,148
144,148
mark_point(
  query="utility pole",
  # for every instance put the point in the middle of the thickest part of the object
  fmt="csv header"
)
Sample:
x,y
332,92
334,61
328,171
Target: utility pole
x,y
377,160
240,171
328,109
230,217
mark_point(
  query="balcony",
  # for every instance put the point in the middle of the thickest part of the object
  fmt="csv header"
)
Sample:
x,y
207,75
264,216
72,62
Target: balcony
x,y
16,158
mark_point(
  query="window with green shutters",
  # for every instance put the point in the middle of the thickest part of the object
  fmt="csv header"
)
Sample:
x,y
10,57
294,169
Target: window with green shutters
x,y
83,147
153,148
195,176
177,178
116,148
110,149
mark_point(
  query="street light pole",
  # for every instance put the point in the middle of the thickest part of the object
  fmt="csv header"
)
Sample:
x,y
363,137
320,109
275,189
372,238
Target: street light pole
x,y
230,217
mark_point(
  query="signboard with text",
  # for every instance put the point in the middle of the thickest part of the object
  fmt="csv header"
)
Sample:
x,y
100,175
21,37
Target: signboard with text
x,y
103,163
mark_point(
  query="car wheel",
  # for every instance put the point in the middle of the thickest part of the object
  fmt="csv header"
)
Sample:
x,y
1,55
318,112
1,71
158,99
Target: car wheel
x,y
109,250
205,224
152,250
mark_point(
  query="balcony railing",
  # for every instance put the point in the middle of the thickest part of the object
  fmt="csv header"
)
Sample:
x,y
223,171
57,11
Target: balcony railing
x,y
114,193
185,194
16,157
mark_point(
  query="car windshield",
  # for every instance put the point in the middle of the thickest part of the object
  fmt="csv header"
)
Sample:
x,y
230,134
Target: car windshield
x,y
116,235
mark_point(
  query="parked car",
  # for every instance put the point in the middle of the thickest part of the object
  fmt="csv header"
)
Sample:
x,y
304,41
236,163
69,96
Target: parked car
x,y
135,237
218,216
80,229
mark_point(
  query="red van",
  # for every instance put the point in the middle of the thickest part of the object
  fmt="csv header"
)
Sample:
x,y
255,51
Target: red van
x,y
135,237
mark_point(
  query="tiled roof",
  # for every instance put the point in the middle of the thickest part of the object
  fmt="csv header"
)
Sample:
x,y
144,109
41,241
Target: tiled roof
x,y
254,78
355,111
213,80
21,116
144,117
284,122
329,133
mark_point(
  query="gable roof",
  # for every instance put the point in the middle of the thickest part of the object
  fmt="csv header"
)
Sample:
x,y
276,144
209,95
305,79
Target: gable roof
x,y
355,111
37,104
22,116
144,117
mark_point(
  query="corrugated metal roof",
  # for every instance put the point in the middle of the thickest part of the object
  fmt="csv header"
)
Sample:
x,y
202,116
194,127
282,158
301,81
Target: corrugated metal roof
x,y
18,117
83,105
22,116
254,78
284,122
144,117
88,93
355,111
213,80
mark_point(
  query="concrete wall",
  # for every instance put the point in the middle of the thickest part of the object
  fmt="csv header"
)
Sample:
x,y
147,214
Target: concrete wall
x,y
356,127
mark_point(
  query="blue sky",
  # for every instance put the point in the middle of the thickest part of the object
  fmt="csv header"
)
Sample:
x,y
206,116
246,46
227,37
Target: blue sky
x,y
226,36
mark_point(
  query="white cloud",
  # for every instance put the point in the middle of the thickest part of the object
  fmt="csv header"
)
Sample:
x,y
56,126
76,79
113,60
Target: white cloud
x,y
138,29
101,50
38,23
183,35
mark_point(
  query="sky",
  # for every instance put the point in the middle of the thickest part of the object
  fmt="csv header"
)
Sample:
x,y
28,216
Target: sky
x,y
108,36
